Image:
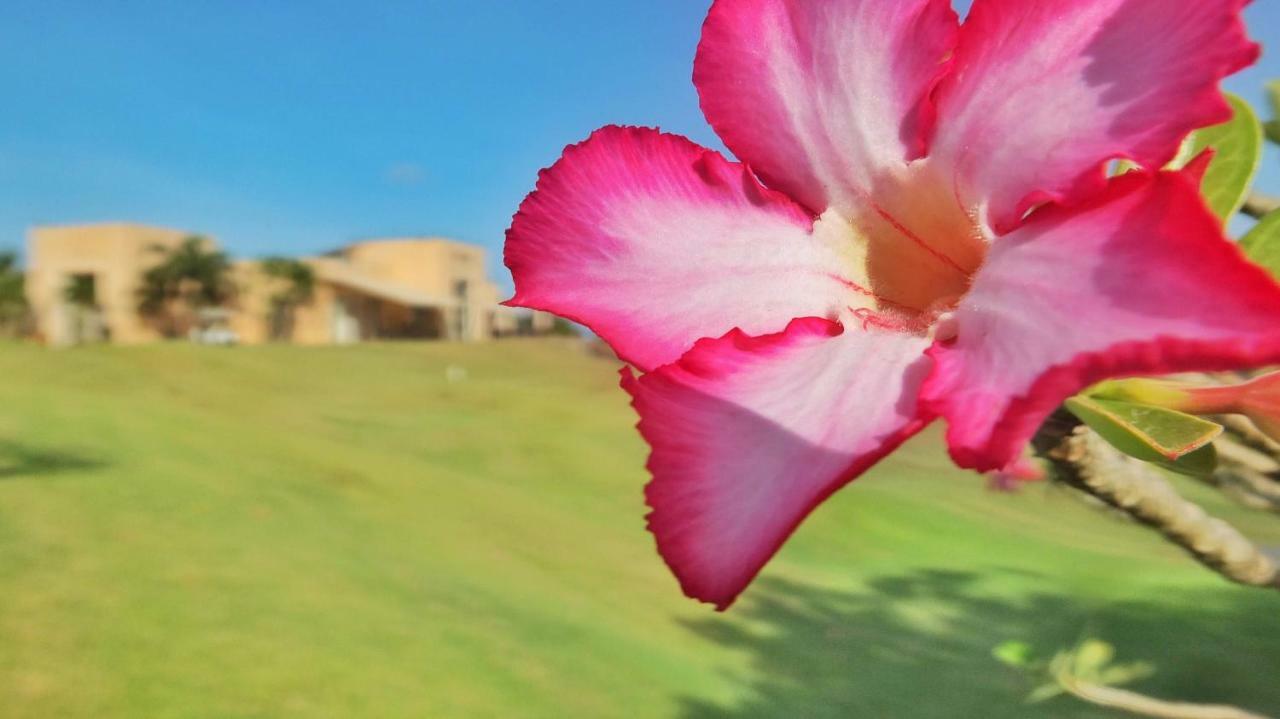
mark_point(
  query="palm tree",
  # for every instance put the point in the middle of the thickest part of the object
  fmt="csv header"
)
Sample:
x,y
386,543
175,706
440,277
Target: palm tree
x,y
297,283
189,277
13,296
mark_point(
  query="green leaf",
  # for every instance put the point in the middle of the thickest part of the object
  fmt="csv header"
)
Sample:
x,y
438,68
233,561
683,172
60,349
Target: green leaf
x,y
1170,433
1187,152
1273,127
1091,657
1262,244
1045,692
1173,440
1125,673
1013,653
1237,146
1143,390
1123,167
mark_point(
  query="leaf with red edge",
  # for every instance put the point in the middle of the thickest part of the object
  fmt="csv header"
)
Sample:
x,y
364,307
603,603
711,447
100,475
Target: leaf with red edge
x,y
1170,439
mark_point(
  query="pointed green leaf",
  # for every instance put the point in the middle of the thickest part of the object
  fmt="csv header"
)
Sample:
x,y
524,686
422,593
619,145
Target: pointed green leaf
x,y
1187,152
1125,673
1262,244
1237,146
1173,434
1122,167
1173,440
1045,692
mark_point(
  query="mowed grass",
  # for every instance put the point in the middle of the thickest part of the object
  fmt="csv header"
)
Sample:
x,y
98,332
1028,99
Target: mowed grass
x,y
292,532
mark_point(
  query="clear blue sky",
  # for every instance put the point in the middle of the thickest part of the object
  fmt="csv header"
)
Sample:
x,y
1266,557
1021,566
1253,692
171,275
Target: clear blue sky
x,y
295,126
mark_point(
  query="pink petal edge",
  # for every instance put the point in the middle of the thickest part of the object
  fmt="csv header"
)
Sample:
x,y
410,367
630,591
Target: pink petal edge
x,y
1055,310
824,98
1044,96
750,434
654,243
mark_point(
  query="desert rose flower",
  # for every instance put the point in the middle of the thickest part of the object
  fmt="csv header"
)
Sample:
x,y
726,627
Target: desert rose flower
x,y
921,227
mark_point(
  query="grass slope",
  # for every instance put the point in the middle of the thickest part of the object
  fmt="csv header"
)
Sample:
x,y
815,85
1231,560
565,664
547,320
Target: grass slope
x,y
290,532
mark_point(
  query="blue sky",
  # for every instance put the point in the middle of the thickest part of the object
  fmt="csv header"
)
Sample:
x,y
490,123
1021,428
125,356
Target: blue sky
x,y
294,127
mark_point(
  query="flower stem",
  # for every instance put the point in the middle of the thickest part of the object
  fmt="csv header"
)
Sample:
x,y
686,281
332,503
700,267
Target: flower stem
x,y
1087,462
1141,705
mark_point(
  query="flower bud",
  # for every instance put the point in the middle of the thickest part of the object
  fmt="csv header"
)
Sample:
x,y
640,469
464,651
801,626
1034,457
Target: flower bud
x,y
1258,399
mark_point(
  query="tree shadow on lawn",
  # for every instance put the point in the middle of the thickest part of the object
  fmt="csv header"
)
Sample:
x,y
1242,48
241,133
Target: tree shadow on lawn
x,y
919,646
19,461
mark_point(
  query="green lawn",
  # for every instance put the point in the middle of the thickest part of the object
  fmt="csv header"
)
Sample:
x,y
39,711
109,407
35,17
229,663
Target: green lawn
x,y
291,532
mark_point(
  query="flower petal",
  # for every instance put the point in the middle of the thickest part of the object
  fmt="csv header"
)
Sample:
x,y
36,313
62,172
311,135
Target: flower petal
x,y
1043,94
1139,280
749,435
655,243
820,98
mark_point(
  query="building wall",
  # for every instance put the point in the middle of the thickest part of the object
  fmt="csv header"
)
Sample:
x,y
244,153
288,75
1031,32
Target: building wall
x,y
250,320
439,267
314,321
115,254
512,321
334,314
118,254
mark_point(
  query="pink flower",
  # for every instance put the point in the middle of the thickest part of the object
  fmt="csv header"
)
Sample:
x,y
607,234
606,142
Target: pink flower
x,y
922,228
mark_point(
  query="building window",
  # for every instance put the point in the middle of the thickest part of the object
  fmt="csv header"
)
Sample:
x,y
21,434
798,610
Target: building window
x,y
81,290
83,316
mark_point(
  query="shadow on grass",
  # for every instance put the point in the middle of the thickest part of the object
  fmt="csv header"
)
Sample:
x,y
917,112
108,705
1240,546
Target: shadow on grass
x,y
919,645
18,461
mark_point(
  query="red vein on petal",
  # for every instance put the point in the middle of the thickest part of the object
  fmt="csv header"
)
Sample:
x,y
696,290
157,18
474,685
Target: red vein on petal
x,y
906,232
868,293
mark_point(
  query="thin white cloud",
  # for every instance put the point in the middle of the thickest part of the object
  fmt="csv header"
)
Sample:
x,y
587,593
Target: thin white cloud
x,y
405,173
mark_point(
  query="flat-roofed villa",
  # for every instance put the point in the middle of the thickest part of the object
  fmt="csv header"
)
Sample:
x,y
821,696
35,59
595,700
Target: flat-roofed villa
x,y
391,288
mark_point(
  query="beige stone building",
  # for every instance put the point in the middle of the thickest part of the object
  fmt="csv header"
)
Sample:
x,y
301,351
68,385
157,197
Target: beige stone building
x,y
397,288
108,260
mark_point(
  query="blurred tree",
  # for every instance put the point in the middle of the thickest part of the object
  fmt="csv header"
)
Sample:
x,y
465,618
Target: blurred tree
x,y
564,328
296,281
189,277
14,311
